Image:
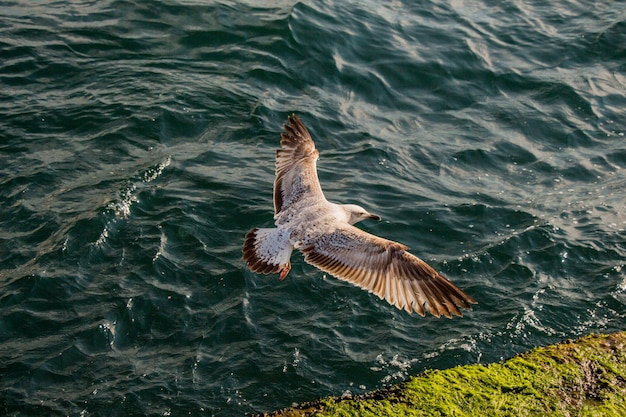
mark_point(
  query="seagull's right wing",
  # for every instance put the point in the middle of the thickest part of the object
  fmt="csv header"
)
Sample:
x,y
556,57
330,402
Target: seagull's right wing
x,y
386,269
296,171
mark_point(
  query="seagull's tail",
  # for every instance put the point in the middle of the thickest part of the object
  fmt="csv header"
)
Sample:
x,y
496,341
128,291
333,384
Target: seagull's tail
x,y
267,251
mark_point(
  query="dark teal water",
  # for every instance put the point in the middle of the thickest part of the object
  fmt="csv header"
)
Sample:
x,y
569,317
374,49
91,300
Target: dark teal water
x,y
136,150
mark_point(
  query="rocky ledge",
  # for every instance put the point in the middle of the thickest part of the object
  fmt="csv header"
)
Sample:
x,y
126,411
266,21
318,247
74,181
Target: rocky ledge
x,y
583,377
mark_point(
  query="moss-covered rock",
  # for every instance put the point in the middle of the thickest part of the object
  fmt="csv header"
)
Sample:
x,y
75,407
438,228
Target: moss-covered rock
x,y
585,377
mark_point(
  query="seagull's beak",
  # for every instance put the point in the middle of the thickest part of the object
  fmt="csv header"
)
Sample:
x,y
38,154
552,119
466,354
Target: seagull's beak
x,y
373,217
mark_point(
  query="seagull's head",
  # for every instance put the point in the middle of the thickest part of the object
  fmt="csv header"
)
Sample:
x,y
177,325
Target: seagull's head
x,y
356,213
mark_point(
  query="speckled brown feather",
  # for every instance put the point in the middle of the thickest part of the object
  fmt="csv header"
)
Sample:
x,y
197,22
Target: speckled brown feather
x,y
385,268
253,261
296,171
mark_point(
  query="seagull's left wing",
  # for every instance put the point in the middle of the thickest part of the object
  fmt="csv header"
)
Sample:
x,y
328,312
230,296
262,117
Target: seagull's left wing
x,y
296,170
386,269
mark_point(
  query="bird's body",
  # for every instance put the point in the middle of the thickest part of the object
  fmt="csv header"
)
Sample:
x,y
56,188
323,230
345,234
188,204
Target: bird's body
x,y
324,233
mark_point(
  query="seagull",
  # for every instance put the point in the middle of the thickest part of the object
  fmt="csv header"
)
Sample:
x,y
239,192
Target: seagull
x,y
324,233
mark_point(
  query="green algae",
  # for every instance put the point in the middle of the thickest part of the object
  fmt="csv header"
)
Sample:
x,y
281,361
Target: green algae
x,y
585,377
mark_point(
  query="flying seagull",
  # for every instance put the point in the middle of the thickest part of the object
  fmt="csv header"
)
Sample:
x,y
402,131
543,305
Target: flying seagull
x,y
324,233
